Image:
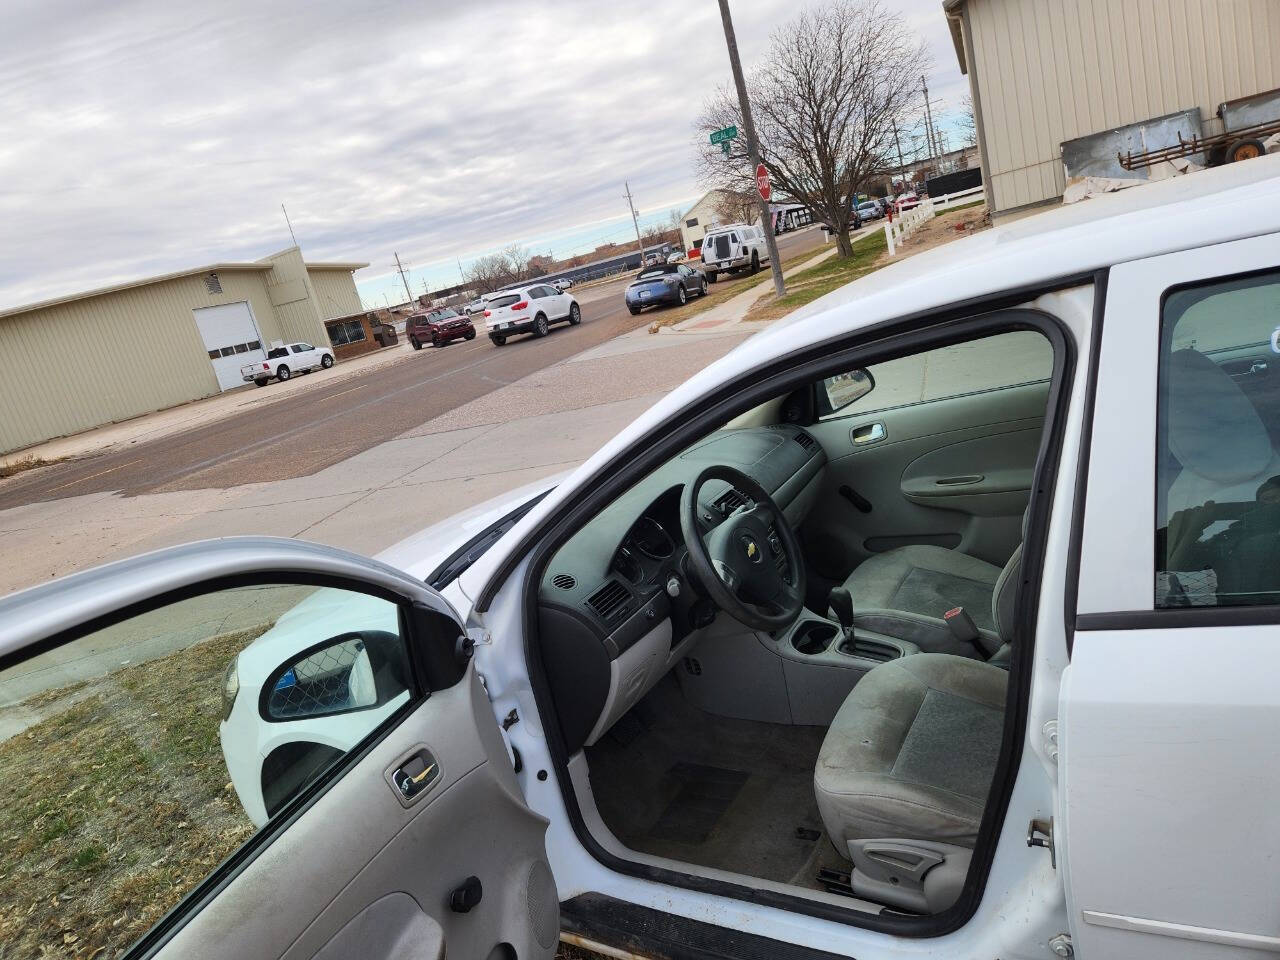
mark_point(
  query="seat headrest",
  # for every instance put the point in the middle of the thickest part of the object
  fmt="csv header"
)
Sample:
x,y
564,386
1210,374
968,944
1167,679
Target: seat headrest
x,y
1214,430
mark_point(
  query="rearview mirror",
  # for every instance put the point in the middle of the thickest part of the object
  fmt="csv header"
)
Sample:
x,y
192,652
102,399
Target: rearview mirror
x,y
836,393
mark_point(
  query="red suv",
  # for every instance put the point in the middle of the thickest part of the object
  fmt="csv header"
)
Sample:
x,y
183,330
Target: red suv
x,y
438,328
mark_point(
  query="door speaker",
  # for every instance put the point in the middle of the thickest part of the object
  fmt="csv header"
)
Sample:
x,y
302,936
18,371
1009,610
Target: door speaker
x,y
544,905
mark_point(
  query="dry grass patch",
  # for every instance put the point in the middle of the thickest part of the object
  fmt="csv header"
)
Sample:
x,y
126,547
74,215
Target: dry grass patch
x,y
116,805
26,463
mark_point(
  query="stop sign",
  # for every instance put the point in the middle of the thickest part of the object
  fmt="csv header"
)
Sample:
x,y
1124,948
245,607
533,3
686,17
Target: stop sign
x,y
762,182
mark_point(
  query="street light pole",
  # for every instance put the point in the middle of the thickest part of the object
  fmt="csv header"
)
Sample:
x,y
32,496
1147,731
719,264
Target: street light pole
x,y
753,149
635,222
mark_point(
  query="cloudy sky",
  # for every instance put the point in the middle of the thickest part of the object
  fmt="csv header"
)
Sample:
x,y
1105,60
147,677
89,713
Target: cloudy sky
x,y
141,137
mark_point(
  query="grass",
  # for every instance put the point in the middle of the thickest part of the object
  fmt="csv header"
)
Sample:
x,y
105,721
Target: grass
x,y
115,805
14,467
833,273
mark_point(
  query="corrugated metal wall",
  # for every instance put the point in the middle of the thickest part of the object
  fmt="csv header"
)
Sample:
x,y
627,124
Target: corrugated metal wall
x,y
336,292
1052,70
80,364
295,304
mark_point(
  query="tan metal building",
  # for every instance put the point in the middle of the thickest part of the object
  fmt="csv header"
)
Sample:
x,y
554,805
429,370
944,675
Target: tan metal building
x,y
77,362
1046,72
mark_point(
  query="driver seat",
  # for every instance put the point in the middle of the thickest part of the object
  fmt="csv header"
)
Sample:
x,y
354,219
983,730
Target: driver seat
x,y
903,773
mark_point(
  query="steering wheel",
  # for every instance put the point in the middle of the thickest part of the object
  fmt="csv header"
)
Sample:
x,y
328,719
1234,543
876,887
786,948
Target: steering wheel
x,y
750,564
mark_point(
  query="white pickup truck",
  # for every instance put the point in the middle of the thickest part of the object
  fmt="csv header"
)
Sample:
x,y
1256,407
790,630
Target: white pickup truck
x,y
738,246
283,362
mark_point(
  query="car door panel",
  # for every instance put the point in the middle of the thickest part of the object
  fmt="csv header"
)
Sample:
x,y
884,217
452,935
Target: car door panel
x,y
358,844
881,489
352,848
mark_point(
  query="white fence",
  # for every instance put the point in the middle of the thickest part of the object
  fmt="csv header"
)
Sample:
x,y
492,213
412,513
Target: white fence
x,y
904,225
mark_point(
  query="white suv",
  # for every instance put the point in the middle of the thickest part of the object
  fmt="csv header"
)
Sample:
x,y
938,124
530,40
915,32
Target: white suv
x,y
528,309
738,246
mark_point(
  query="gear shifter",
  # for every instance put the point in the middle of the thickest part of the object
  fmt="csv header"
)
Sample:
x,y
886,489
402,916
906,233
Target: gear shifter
x,y
840,601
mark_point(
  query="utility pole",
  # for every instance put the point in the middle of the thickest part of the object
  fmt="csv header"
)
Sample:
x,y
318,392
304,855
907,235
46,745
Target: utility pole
x,y
635,222
902,167
928,117
289,225
753,148
403,279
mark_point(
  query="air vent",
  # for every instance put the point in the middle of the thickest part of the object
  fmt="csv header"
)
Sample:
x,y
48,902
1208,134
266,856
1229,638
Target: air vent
x,y
212,283
564,581
610,601
693,667
805,440
730,501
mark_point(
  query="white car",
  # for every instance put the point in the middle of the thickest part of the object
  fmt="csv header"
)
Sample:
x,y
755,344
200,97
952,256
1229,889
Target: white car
x,y
733,248
281,363
1036,717
563,284
530,308
675,257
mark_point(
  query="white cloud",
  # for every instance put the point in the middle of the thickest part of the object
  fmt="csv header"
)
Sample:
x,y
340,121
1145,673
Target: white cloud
x,y
139,137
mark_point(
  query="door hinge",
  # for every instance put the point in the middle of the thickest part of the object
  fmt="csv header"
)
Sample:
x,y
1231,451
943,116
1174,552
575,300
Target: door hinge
x,y
510,720
1061,946
1040,834
1049,739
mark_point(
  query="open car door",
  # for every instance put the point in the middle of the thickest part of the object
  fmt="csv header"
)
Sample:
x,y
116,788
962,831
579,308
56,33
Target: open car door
x,y
258,748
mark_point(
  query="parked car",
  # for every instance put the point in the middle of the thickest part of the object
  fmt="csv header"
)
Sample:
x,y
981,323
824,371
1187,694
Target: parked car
x,y
438,327
563,284
664,283
622,704
475,306
675,257
870,210
905,201
733,248
531,308
652,257
281,363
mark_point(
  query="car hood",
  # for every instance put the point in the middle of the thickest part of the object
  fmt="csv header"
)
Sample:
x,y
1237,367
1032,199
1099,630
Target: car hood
x,y
419,554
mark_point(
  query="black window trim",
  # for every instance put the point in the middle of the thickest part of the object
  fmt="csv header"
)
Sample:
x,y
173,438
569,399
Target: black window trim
x,y
925,330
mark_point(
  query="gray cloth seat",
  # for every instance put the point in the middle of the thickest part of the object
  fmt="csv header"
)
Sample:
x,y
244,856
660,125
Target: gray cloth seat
x,y
904,593
912,751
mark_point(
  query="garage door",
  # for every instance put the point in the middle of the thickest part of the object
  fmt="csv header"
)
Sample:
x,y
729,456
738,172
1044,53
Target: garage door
x,y
231,336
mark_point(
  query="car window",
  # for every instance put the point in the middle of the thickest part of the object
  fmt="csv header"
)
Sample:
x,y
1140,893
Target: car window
x,y
276,353
297,348
1217,472
1003,360
146,752
506,300
306,346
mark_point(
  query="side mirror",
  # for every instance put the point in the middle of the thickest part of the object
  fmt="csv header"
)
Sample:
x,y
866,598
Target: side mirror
x,y
838,392
353,671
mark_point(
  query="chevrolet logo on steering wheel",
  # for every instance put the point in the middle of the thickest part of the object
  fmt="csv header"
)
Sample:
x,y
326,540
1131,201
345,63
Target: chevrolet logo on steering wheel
x,y
753,551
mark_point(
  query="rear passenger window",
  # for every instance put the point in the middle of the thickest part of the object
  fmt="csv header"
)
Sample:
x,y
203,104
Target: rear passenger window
x,y
1217,473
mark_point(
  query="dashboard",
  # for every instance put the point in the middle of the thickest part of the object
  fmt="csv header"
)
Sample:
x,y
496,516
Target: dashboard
x,y
618,605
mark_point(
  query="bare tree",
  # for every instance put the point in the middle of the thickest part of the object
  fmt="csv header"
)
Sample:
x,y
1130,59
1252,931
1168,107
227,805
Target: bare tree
x,y
966,123
825,99
737,206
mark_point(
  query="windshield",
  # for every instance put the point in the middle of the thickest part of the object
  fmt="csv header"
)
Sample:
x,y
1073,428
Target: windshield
x,y
444,314
503,300
651,274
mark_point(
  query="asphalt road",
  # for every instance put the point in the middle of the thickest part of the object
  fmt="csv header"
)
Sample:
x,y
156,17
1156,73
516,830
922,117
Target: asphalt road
x,y
320,427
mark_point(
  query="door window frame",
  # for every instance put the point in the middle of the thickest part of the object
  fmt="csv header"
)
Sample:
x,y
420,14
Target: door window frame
x,y
1116,511
875,343
430,669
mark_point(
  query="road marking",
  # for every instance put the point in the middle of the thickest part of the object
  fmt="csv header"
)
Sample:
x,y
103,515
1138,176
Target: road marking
x,y
359,386
100,473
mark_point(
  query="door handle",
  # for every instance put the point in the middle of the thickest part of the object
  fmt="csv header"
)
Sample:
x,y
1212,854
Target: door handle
x,y
868,433
414,774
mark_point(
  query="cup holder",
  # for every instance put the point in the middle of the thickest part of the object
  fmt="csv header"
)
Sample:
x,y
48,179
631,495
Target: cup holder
x,y
813,637
867,649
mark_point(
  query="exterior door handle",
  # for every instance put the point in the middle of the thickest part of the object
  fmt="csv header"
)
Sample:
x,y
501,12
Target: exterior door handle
x,y
869,433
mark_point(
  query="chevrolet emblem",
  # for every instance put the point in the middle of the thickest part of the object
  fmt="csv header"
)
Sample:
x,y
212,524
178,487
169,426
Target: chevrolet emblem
x,y
751,548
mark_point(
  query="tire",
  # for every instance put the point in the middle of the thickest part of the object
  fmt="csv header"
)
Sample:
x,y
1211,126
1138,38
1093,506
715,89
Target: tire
x,y
469,335
681,296
416,344
755,262
635,311
283,373
260,383
1245,150
704,291
498,339
540,326
326,361
575,315
711,276
435,341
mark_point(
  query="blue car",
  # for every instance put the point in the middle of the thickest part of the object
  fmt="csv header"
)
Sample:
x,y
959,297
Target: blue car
x,y
665,283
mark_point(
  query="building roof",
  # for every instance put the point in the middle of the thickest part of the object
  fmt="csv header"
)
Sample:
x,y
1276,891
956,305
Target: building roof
x,y
225,267
954,11
335,265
